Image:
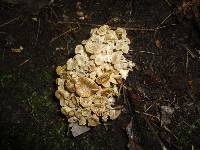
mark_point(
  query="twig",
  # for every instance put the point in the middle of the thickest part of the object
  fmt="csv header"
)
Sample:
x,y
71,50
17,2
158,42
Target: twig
x,y
162,27
187,124
53,12
174,100
149,107
190,52
154,102
186,65
81,23
154,132
36,40
127,101
12,20
147,114
3,55
64,33
24,62
168,3
168,130
138,29
120,88
167,17
57,37
32,112
147,52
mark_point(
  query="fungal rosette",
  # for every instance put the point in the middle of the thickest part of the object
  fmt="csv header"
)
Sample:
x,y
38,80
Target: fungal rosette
x,y
88,83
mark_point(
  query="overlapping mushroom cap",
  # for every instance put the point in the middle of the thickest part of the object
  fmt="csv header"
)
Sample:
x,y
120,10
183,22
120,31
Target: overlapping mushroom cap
x,y
88,83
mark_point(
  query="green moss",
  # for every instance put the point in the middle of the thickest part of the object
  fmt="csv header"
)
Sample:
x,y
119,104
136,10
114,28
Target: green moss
x,y
185,135
41,126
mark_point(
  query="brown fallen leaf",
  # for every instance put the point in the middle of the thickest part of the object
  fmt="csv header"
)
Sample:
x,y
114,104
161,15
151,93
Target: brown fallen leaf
x,y
17,50
158,44
190,83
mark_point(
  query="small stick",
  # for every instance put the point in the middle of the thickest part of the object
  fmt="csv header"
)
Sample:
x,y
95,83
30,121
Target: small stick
x,y
153,103
32,112
27,60
57,37
147,114
167,17
3,55
162,27
167,129
140,29
147,52
168,3
186,65
148,108
53,12
62,34
190,52
120,88
155,133
6,23
36,40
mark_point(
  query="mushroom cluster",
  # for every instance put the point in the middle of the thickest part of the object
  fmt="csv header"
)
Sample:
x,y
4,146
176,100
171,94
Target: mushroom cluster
x,y
88,83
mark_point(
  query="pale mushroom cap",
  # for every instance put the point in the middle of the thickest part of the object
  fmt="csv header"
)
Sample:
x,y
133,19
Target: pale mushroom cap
x,y
99,59
124,73
60,70
79,49
93,120
111,36
114,113
85,102
72,120
98,109
103,30
81,60
103,78
70,85
60,82
65,110
92,47
82,121
121,32
116,57
63,102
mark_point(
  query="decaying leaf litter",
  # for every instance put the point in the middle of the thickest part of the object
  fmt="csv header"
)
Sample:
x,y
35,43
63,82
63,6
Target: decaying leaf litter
x,y
161,95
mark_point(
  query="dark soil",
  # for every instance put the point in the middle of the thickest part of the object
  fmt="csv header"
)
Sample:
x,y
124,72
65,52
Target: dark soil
x,y
165,38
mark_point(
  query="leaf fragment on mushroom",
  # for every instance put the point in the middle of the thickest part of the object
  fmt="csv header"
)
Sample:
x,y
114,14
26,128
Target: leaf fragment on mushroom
x,y
85,87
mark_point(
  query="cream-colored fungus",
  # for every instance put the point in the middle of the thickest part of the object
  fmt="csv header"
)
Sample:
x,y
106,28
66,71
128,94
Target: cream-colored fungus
x,y
88,83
